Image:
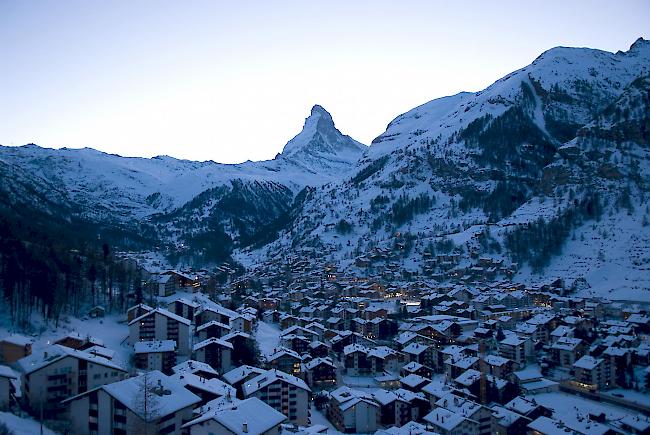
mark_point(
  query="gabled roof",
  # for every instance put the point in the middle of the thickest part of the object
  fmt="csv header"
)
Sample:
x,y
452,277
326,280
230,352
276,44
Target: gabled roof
x,y
269,377
241,373
211,341
162,312
54,353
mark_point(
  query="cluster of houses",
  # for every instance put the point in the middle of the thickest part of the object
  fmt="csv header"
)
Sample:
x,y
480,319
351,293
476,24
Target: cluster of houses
x,y
419,358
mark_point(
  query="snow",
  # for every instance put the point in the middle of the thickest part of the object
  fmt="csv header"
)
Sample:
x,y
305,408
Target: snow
x,y
22,426
268,338
573,410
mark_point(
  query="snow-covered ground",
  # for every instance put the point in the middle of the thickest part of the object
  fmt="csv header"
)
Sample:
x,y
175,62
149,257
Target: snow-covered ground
x,y
575,410
22,426
317,417
268,337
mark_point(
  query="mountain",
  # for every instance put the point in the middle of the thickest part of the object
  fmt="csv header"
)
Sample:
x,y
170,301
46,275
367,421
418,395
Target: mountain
x,y
174,201
514,179
320,147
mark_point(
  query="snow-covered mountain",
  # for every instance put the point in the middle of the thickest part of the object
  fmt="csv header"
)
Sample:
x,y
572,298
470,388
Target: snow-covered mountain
x,y
167,193
475,173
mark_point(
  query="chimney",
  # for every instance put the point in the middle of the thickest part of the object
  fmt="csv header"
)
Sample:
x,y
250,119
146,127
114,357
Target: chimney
x,y
245,427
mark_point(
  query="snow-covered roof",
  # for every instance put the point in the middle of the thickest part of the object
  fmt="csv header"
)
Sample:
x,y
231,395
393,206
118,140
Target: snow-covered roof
x,y
445,419
192,366
17,339
54,353
213,386
587,362
6,372
253,414
240,373
167,394
162,312
210,341
154,346
270,377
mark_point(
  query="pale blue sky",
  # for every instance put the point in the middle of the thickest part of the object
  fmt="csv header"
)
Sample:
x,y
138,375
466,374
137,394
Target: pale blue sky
x,y
231,81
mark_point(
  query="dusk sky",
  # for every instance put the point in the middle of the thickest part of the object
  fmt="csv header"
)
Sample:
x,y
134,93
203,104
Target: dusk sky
x,y
232,81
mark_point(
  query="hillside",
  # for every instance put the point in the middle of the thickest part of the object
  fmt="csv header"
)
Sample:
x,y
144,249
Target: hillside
x,y
522,178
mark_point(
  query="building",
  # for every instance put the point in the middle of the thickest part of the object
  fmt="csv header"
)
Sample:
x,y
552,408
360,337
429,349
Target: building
x,y
285,360
515,349
285,393
155,355
161,324
250,416
60,372
353,411
149,403
6,386
321,372
215,352
14,347
446,422
590,373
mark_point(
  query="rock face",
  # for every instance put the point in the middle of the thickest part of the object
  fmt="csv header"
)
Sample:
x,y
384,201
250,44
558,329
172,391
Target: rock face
x,y
320,147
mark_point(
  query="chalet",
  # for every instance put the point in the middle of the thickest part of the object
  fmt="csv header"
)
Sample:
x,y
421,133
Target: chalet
x,y
590,373
318,349
155,355
479,415
7,376
528,408
285,360
137,311
206,389
321,372
161,285
215,352
515,349
566,351
243,351
161,324
196,367
400,406
285,393
507,422
416,369
297,343
250,416
120,408
446,422
77,341
184,308
239,376
14,347
381,328
353,411
60,372
212,329
214,312
413,382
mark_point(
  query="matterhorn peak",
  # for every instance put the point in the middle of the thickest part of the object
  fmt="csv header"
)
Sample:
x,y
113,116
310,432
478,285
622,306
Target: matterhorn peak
x,y
320,141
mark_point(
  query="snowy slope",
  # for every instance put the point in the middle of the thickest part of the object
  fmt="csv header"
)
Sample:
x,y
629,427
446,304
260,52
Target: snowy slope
x,y
473,167
317,155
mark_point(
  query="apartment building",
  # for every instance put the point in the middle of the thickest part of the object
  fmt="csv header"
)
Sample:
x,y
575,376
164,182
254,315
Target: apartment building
x,y
60,372
161,324
149,403
285,393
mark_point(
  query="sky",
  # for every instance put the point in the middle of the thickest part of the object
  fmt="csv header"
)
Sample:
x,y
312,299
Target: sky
x,y
232,81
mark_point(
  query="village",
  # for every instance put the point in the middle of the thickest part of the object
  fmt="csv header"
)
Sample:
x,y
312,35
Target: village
x,y
305,349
